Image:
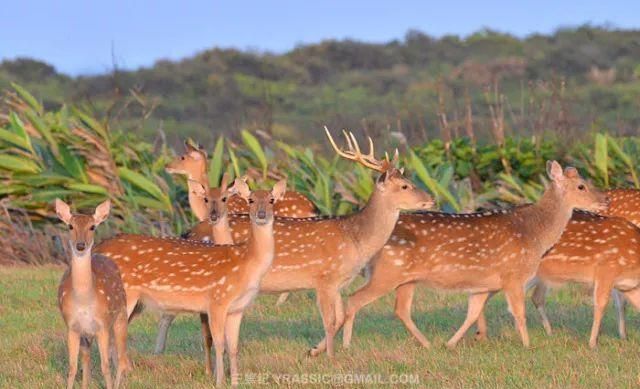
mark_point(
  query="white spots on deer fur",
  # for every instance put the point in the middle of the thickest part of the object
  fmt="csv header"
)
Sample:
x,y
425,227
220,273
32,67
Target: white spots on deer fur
x,y
235,268
398,262
222,280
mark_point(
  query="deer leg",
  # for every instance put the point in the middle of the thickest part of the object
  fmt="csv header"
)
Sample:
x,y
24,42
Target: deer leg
x,y
132,301
481,323
621,306
232,333
539,299
207,342
103,346
601,292
367,294
120,334
404,301
282,298
339,320
73,348
327,303
85,354
474,309
163,331
217,320
516,303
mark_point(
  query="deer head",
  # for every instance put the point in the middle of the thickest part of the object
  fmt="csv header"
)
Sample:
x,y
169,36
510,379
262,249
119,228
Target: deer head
x,y
574,189
391,184
81,227
190,163
261,201
216,199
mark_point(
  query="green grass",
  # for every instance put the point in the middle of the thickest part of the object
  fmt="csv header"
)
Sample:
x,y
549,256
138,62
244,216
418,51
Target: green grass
x,y
274,340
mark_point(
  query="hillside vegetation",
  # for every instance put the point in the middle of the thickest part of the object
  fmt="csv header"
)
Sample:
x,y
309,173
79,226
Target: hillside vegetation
x,y
420,86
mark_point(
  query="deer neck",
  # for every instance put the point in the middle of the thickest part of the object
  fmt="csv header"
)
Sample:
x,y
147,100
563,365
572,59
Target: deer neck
x,y
372,226
260,247
221,231
82,277
547,219
197,206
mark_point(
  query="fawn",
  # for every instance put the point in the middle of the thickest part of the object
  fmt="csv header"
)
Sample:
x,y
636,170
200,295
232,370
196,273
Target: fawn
x,y
176,275
193,164
327,253
91,298
480,253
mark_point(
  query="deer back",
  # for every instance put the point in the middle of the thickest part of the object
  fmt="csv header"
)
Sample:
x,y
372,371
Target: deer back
x,y
593,246
624,203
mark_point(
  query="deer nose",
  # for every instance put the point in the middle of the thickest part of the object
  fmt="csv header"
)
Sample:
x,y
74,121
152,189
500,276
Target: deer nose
x,y
214,215
80,246
262,214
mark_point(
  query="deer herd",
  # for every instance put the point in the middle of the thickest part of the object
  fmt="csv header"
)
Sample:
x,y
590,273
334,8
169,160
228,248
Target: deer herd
x,y
273,241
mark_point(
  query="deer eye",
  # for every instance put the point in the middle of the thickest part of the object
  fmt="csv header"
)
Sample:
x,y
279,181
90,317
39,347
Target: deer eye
x,y
224,199
70,227
251,201
92,228
581,187
206,200
272,201
405,186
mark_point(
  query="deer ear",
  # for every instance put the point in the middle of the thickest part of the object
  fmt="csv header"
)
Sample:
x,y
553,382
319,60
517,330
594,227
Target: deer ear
x,y
380,181
279,189
242,189
188,145
195,154
554,170
197,188
571,172
102,212
225,181
63,211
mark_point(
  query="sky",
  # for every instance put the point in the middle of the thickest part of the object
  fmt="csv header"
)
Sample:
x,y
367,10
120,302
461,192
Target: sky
x,y
88,36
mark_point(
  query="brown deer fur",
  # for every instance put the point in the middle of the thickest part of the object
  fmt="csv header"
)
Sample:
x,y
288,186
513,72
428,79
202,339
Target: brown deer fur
x,y
479,253
91,298
175,275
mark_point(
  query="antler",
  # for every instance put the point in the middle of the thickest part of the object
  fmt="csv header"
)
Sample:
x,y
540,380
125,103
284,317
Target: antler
x,y
354,153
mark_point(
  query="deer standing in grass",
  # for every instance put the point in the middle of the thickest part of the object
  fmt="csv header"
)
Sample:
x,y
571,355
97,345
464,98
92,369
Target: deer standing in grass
x,y
91,298
480,253
213,202
326,254
598,251
221,281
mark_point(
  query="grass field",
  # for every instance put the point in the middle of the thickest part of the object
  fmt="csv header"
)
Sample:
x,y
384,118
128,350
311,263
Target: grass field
x,y
274,341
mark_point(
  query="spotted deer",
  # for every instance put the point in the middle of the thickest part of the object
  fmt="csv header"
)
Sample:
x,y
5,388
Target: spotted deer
x,y
326,253
480,253
598,251
221,281
91,299
193,164
215,229
624,203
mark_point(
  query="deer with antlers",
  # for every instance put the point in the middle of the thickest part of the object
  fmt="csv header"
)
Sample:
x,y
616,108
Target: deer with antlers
x,y
326,253
480,253
220,281
91,298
